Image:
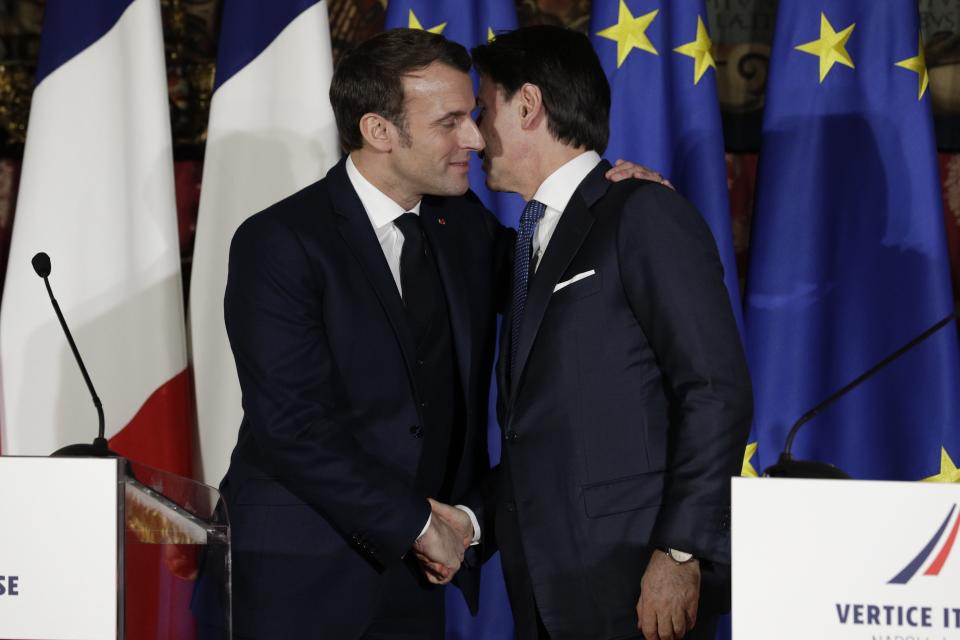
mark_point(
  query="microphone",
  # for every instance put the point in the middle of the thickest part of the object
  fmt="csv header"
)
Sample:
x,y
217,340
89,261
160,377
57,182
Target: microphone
x,y
788,467
99,449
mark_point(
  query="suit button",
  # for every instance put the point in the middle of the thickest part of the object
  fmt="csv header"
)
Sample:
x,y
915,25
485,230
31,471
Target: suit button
x,y
416,431
509,506
725,520
419,363
510,436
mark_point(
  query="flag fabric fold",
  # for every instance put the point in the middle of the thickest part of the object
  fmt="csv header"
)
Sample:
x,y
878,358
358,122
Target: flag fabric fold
x,y
97,195
848,256
665,113
472,23
271,133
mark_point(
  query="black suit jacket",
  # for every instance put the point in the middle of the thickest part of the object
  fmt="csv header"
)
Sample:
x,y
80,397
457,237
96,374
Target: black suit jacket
x,y
629,411
320,489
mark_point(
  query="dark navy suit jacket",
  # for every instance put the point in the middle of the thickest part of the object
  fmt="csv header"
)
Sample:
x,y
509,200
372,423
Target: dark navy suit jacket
x,y
629,412
320,490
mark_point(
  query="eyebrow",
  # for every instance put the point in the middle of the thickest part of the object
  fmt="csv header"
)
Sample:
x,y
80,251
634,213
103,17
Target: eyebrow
x,y
451,114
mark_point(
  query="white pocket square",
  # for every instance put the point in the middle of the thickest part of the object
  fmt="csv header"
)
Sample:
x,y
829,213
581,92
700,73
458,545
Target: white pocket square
x,y
576,278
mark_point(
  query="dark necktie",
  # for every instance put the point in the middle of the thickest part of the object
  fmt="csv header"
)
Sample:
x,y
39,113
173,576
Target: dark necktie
x,y
418,276
521,272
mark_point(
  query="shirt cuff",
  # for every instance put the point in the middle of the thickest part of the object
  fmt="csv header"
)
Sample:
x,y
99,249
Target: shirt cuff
x,y
473,521
425,527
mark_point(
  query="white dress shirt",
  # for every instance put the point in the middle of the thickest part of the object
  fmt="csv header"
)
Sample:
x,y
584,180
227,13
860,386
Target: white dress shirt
x,y
382,211
555,192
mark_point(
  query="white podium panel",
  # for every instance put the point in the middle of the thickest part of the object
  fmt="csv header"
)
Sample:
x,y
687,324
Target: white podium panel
x,y
58,548
845,559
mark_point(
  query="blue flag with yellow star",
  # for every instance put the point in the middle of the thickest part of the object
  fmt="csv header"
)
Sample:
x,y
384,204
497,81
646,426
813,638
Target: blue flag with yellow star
x,y
471,23
665,113
848,256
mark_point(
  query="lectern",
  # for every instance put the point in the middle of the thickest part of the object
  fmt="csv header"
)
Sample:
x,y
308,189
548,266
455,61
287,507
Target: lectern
x,y
852,559
94,548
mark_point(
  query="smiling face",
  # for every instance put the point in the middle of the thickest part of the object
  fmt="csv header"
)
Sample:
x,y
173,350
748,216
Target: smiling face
x,y
432,152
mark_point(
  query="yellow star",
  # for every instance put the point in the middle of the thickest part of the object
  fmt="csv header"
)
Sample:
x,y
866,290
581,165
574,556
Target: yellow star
x,y
490,35
699,50
748,471
413,23
918,64
830,47
630,33
948,470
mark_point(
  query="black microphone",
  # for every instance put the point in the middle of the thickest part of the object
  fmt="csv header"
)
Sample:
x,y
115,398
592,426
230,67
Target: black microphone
x,y
99,449
788,467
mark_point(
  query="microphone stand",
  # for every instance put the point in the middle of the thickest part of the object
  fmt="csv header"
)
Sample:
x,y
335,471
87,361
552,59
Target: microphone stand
x,y
789,467
99,448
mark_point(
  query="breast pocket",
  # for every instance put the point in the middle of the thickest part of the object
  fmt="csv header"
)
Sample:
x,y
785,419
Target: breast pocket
x,y
577,287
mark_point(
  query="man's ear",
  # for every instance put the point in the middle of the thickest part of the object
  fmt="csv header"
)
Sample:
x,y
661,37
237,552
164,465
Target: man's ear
x,y
530,102
377,131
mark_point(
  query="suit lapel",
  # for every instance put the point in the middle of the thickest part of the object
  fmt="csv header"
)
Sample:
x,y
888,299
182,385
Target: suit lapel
x,y
572,229
441,239
503,358
354,225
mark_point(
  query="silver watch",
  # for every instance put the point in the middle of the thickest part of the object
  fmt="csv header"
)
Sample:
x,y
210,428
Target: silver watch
x,y
679,557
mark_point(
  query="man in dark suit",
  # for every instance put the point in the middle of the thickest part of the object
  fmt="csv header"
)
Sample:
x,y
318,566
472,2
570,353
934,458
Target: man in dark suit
x,y
361,316
361,313
625,401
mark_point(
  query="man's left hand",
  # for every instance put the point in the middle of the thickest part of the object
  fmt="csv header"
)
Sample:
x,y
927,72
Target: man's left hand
x,y
621,170
667,608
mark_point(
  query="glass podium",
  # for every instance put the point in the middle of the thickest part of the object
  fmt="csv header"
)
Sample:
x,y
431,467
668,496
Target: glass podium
x,y
109,548
176,558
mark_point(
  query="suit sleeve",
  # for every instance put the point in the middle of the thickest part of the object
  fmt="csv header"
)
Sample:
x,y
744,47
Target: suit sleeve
x,y
293,397
674,283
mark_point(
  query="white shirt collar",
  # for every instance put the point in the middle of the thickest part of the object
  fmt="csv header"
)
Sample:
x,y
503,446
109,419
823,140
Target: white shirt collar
x,y
558,188
381,210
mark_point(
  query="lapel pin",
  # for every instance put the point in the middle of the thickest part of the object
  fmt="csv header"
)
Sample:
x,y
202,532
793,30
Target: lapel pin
x,y
442,220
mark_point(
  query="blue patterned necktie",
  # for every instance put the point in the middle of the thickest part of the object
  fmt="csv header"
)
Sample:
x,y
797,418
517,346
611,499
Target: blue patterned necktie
x,y
521,272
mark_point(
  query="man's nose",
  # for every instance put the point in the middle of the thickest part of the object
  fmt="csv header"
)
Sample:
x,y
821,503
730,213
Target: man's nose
x,y
470,137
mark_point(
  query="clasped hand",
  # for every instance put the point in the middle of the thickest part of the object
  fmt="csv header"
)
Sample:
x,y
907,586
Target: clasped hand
x,y
440,550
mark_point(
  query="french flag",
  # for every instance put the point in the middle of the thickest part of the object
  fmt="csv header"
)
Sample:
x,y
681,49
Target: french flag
x,y
271,133
97,194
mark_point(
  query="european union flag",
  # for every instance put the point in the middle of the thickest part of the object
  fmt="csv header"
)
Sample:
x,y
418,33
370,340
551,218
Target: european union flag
x,y
665,113
848,257
472,23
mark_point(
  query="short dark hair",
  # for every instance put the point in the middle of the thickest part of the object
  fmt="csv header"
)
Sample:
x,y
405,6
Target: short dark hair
x,y
369,78
563,64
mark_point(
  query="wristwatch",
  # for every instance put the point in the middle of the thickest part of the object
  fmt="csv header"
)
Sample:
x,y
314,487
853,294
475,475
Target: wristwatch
x,y
679,557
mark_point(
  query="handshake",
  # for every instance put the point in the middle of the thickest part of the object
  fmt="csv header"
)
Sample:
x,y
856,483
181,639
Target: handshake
x,y
441,547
